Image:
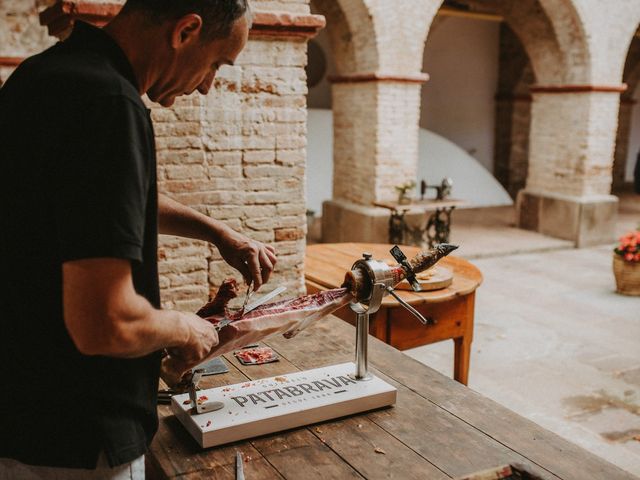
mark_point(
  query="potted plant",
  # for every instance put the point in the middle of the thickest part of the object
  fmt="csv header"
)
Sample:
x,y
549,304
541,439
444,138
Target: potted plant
x,y
626,263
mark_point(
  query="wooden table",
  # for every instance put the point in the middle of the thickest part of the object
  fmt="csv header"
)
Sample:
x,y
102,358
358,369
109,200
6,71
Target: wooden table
x,y
450,309
439,429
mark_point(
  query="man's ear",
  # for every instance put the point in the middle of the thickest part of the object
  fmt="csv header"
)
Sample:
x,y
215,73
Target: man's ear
x,y
186,30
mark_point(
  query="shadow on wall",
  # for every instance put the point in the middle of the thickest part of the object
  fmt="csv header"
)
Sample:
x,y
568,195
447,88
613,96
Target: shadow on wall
x,y
438,158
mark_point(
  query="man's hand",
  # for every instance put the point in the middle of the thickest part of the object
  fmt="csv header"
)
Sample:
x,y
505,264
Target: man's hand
x,y
202,338
253,259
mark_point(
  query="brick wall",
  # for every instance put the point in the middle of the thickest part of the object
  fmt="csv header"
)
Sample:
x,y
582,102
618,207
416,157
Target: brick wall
x,y
631,77
20,34
237,155
513,113
572,142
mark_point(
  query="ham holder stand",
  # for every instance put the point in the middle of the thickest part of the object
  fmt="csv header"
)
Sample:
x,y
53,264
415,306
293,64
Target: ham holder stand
x,y
226,414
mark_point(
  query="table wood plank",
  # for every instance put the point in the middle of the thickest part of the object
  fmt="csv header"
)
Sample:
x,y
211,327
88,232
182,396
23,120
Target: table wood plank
x,y
438,429
365,460
347,440
300,454
558,456
373,452
289,451
174,453
253,468
453,446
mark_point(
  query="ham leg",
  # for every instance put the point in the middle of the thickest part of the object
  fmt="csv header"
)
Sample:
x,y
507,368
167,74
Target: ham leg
x,y
288,317
285,317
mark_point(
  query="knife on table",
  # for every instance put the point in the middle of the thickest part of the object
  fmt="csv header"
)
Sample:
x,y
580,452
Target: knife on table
x,y
239,466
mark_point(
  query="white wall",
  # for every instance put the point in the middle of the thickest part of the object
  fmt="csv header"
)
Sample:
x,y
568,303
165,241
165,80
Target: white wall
x,y
438,158
458,102
634,136
319,158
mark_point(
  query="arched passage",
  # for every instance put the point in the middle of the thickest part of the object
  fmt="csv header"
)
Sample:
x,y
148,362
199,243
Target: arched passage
x,y
627,140
535,47
352,34
478,95
573,119
375,102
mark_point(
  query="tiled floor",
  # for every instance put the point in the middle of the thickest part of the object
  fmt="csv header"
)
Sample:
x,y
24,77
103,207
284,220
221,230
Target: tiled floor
x,y
553,341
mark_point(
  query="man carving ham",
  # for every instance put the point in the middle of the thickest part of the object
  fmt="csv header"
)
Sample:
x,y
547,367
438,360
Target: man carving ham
x,y
81,323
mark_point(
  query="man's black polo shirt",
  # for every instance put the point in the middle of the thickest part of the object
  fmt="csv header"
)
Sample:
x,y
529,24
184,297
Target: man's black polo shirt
x,y
78,181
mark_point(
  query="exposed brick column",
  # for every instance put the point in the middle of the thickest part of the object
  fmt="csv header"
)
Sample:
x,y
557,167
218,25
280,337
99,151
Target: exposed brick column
x,y
513,120
513,113
237,154
375,147
573,131
622,143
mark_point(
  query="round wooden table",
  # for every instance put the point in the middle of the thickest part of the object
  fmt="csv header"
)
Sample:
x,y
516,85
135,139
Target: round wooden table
x,y
449,310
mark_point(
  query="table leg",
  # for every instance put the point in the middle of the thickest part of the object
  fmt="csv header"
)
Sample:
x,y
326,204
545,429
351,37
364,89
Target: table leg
x,y
462,358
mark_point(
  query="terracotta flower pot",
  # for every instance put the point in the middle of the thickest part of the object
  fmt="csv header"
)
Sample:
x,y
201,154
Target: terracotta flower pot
x,y
627,276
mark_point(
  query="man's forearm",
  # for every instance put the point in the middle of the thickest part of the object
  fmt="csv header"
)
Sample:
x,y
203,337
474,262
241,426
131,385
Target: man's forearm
x,y
139,331
181,220
253,259
105,316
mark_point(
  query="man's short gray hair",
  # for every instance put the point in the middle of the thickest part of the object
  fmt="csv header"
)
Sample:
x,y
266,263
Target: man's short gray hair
x,y
218,16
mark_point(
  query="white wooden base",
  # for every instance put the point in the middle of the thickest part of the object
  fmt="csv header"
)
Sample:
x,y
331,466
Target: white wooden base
x,y
279,403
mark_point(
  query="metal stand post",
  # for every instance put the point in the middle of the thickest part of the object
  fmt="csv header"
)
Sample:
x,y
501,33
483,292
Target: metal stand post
x,y
362,337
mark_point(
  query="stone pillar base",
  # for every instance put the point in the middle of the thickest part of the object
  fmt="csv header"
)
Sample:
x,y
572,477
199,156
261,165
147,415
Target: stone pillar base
x,y
347,222
587,221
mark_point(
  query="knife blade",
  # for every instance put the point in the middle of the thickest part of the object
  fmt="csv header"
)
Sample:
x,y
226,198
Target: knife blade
x,y
239,466
246,299
252,306
264,299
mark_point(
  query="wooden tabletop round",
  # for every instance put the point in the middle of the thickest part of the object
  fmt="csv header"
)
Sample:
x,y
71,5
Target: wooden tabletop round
x,y
327,263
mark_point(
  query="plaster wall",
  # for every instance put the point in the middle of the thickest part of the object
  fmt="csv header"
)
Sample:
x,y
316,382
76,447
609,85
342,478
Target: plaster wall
x,y
458,102
237,154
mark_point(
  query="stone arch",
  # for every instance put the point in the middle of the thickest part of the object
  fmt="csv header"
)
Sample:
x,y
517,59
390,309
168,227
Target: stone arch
x,y
565,34
551,32
375,103
630,76
352,35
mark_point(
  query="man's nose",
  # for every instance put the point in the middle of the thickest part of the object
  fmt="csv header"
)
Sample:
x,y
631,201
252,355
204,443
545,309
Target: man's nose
x,y
205,85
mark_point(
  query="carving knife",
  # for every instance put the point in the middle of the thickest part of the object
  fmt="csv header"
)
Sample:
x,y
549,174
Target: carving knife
x,y
264,299
252,306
